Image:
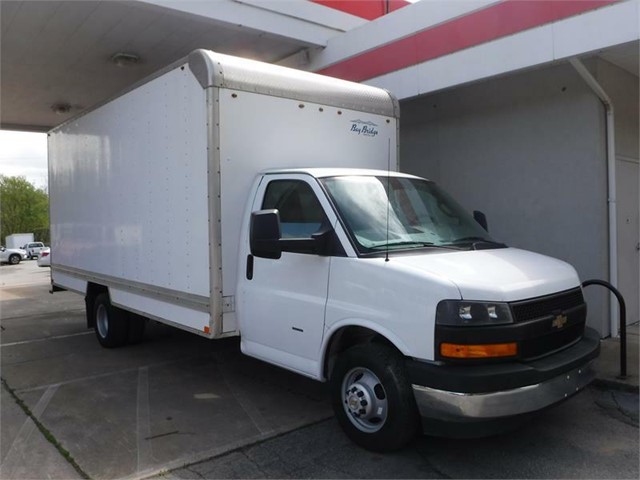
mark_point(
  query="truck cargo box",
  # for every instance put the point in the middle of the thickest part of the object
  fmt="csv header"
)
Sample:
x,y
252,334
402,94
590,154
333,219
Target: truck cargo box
x,y
148,189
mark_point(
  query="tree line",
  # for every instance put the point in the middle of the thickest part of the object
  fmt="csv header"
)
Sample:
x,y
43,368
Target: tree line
x,y
23,209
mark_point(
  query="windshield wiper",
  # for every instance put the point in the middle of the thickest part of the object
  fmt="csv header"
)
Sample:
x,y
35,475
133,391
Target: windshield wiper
x,y
475,240
408,243
469,239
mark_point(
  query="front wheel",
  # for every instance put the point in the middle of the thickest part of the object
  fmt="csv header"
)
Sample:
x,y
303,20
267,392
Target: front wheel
x,y
14,259
372,398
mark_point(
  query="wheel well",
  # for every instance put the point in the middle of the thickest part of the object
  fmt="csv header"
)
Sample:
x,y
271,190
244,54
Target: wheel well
x,y
347,337
93,290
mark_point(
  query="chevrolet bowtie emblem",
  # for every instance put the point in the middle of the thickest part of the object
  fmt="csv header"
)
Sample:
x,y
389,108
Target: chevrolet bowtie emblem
x,y
559,322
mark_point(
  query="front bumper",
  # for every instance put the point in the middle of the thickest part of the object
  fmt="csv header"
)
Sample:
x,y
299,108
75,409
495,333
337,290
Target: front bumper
x,y
457,406
482,392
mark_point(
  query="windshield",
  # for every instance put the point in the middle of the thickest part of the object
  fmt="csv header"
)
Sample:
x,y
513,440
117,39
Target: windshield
x,y
418,214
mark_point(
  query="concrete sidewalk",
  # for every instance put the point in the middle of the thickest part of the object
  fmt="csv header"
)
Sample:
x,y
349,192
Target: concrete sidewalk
x,y
608,365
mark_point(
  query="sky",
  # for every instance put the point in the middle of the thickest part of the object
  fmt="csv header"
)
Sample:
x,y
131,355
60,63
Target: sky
x,y
24,154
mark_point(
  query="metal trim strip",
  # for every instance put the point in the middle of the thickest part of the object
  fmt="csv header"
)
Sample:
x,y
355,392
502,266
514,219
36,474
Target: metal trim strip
x,y
214,182
188,300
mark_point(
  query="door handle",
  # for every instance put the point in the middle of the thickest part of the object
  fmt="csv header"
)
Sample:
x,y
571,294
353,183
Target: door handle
x,y
249,267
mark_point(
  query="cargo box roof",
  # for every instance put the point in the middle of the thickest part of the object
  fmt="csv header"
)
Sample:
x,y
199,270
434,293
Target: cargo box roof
x,y
215,69
337,172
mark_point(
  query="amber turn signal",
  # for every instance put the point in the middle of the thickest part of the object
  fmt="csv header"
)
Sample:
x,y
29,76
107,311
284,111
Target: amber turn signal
x,y
453,350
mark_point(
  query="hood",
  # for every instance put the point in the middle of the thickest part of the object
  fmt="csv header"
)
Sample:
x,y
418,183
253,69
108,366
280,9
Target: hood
x,y
16,250
503,274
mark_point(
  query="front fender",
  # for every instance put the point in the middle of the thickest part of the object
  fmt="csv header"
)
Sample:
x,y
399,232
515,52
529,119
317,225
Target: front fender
x,y
363,323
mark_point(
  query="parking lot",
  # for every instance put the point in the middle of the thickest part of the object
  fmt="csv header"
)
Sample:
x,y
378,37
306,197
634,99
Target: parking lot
x,y
174,399
180,406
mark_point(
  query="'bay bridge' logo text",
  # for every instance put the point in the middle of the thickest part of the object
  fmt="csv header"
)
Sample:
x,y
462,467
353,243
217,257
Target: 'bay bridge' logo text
x,y
368,129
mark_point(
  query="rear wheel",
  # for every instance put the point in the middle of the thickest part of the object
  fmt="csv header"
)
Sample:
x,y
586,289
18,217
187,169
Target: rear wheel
x,y
111,322
372,398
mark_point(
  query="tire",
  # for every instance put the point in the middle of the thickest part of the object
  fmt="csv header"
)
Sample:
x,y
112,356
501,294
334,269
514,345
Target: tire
x,y
137,324
372,398
14,259
111,322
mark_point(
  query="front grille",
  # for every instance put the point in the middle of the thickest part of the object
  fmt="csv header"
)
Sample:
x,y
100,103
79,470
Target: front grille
x,y
538,346
543,311
546,306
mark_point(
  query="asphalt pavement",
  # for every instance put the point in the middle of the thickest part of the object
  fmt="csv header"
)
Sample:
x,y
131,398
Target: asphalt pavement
x,y
594,435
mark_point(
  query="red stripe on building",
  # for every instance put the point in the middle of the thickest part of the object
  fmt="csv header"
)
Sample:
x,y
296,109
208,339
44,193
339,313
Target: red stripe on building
x,y
491,23
367,9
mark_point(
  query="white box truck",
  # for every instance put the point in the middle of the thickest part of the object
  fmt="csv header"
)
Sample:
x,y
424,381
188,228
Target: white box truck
x,y
18,240
225,196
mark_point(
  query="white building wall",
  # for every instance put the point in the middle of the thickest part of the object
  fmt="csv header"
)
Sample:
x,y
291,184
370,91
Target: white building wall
x,y
622,88
529,151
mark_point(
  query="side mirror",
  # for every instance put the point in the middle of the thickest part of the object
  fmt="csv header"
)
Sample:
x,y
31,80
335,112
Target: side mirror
x,y
265,238
264,234
481,218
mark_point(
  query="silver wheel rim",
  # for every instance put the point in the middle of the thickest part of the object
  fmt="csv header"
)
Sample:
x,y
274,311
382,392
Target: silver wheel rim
x,y
14,259
364,400
102,321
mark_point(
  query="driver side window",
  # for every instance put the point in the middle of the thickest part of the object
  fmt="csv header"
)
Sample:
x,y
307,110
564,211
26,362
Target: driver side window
x,y
300,211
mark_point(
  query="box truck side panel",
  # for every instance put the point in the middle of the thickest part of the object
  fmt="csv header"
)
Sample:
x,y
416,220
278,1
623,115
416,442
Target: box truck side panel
x,y
187,316
129,193
18,240
260,132
71,282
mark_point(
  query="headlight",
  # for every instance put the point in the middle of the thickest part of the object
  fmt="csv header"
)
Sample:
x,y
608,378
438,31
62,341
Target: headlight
x,y
460,312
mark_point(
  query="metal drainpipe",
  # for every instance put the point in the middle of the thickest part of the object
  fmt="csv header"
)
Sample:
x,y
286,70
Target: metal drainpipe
x,y
611,174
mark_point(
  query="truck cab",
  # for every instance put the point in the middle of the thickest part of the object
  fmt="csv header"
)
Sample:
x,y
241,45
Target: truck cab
x,y
33,249
380,283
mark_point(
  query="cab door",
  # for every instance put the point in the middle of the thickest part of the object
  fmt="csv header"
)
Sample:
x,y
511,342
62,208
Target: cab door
x,y
281,302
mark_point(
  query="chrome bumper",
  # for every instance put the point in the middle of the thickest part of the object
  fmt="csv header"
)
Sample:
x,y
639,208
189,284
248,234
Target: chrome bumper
x,y
443,405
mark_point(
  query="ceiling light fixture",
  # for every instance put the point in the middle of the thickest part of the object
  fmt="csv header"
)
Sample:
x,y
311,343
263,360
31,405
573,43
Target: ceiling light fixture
x,y
61,108
122,59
